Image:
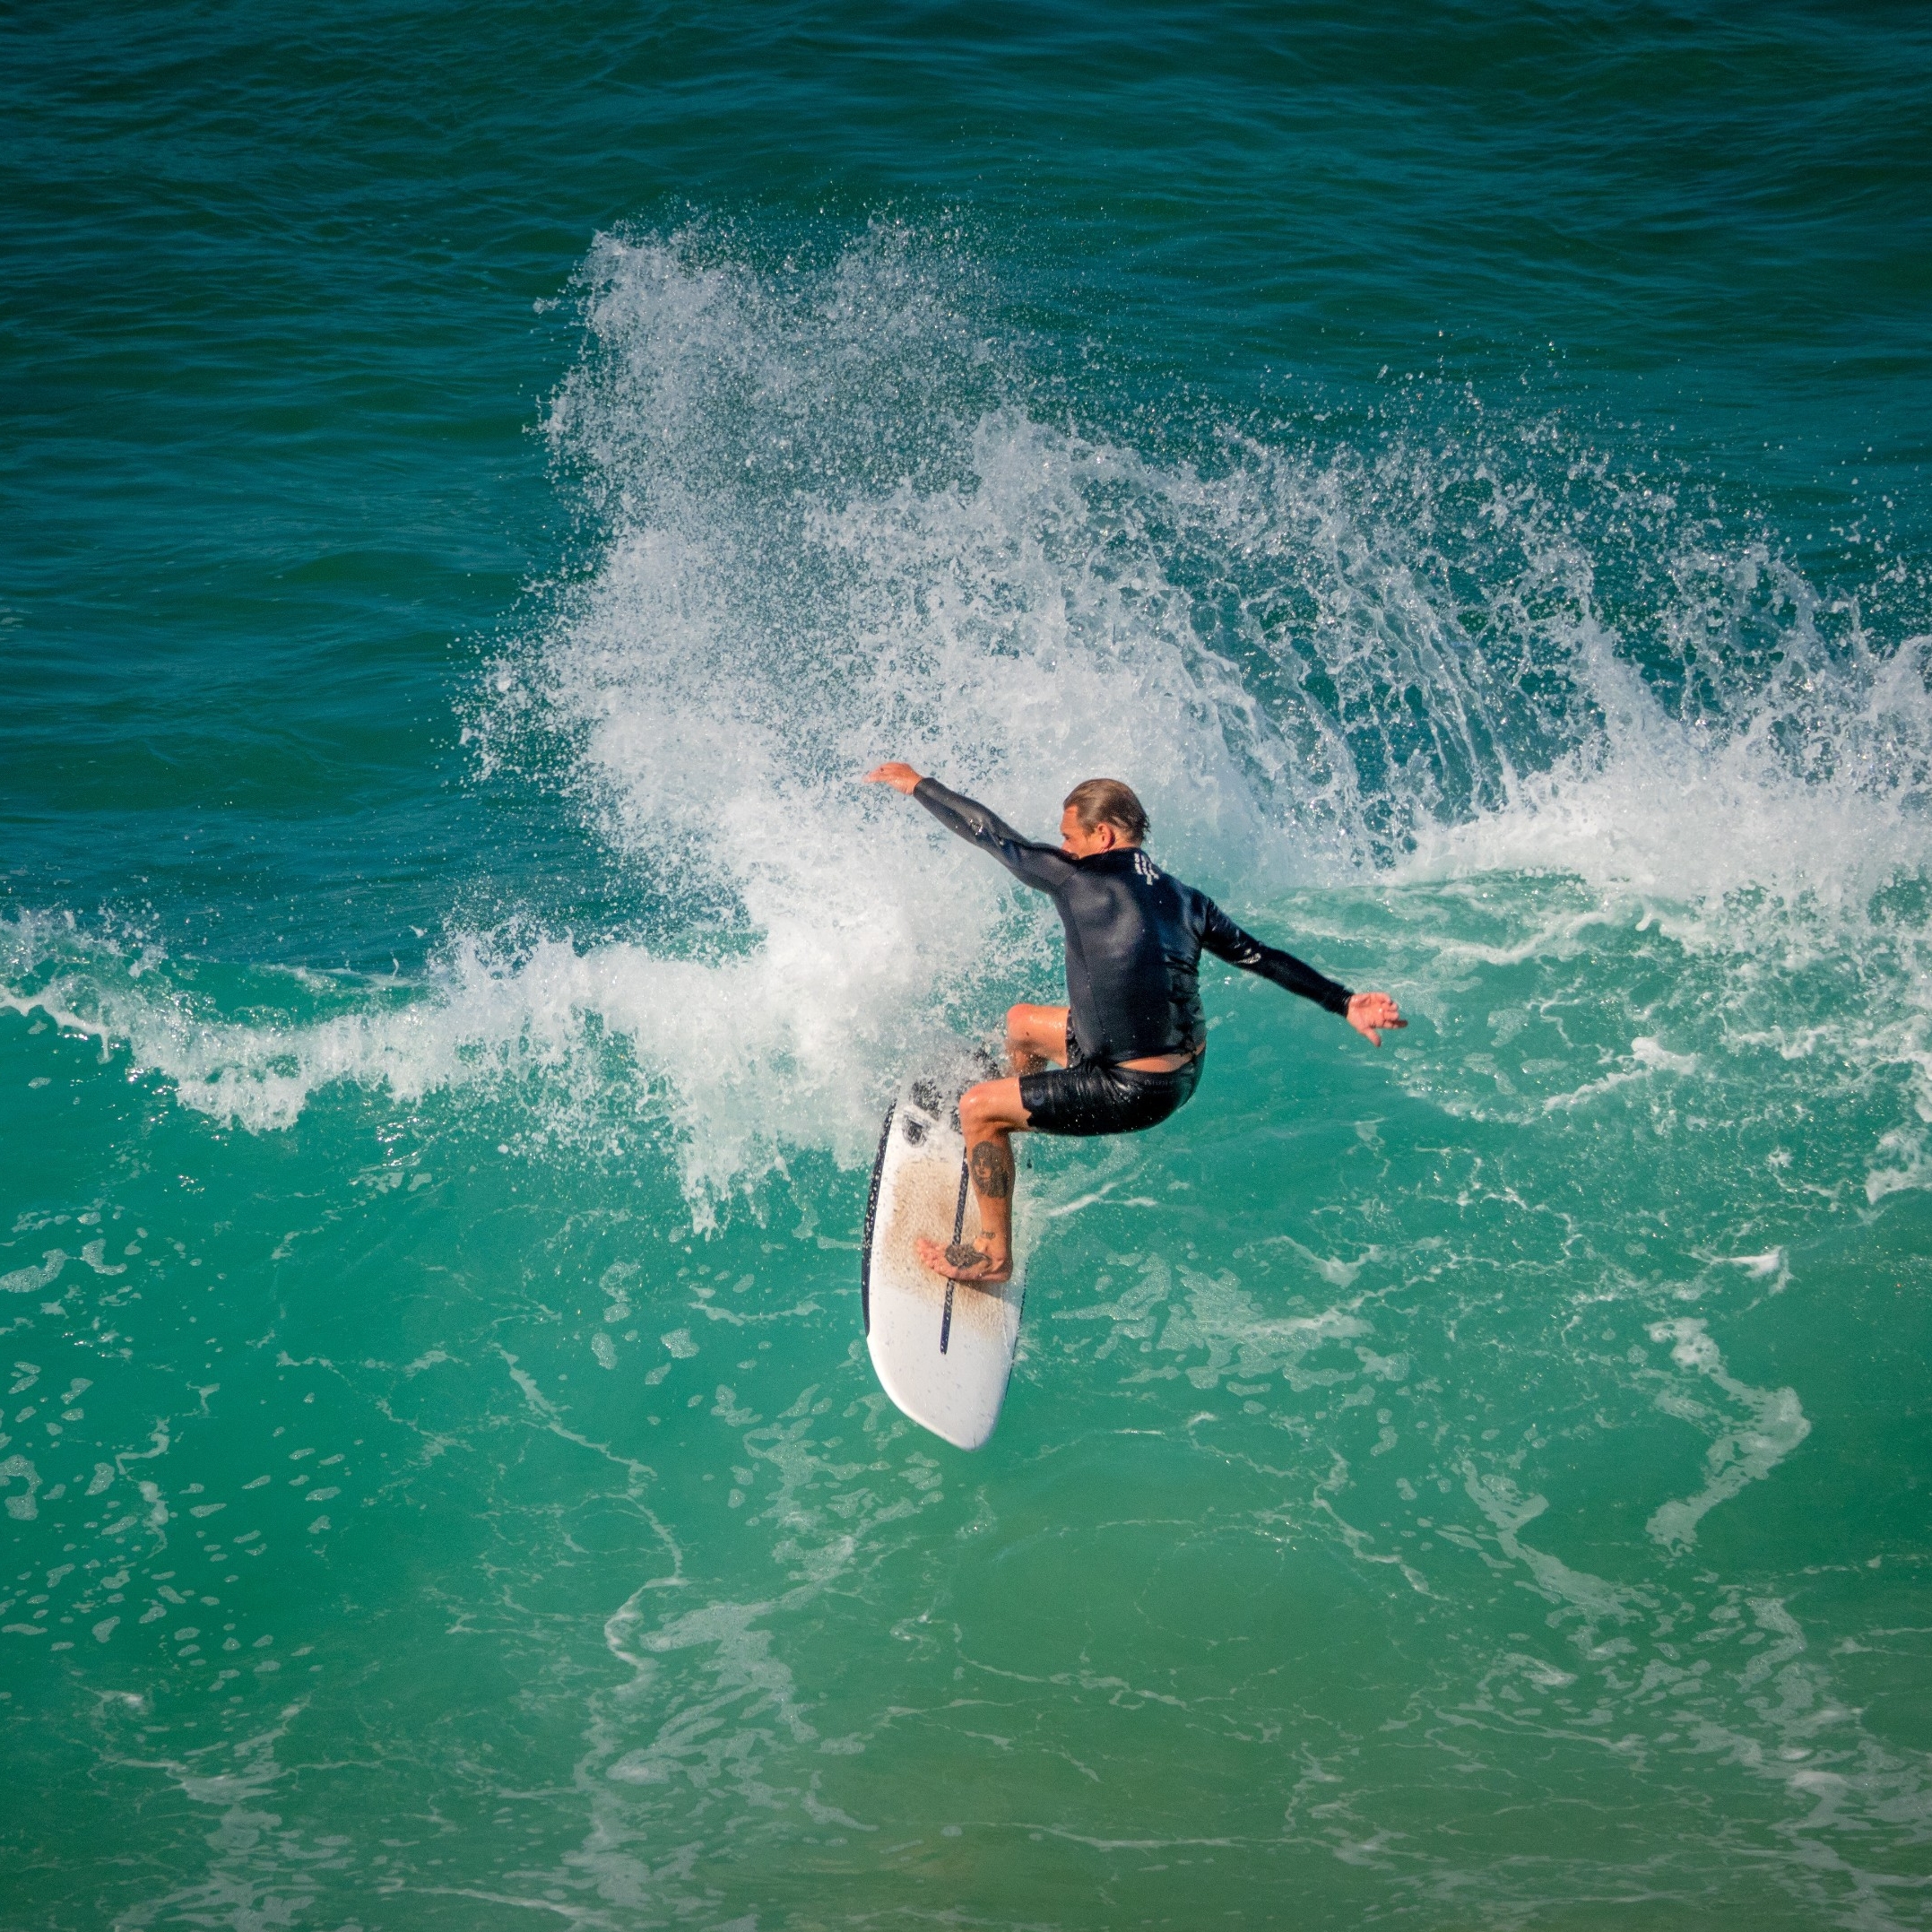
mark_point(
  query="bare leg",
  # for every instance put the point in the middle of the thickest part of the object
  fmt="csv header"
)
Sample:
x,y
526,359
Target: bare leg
x,y
989,1114
1035,1037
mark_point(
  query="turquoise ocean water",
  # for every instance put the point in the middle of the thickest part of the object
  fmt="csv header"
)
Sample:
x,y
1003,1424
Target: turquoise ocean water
x,y
479,483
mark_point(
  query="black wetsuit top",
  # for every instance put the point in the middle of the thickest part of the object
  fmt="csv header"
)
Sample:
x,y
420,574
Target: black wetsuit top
x,y
1134,937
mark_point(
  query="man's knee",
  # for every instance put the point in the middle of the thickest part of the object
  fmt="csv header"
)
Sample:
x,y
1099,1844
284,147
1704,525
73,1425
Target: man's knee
x,y
1037,1029
986,1108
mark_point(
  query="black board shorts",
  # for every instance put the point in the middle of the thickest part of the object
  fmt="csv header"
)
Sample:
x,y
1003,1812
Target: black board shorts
x,y
1086,1099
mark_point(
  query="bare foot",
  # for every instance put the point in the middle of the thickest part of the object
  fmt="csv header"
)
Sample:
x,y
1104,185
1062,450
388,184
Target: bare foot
x,y
978,1267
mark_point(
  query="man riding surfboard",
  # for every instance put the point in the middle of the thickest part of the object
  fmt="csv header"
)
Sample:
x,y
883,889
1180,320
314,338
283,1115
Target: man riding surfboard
x,y
1126,1050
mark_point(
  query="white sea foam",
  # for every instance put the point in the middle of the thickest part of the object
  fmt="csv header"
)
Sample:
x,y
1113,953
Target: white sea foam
x,y
781,1047
835,525
1743,1452
1817,793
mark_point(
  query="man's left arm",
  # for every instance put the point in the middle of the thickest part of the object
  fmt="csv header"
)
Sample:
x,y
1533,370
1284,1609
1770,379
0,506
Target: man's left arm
x,y
1044,867
1371,1014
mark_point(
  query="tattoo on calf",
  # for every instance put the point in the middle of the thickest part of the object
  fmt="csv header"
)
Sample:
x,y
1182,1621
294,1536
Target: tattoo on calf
x,y
993,1170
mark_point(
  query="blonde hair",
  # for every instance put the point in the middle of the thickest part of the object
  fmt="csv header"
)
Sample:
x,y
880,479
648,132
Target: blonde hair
x,y
1108,802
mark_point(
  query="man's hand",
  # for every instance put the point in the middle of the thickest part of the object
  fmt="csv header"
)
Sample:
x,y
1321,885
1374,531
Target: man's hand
x,y
1371,1013
900,778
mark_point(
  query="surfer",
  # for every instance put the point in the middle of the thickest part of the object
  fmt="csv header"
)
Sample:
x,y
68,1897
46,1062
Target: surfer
x,y
1128,1046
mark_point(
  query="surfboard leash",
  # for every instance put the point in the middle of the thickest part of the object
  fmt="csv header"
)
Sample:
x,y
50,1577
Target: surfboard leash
x,y
946,1320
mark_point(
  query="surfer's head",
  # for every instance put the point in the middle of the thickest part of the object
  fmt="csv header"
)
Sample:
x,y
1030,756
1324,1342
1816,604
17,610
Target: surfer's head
x,y
1099,814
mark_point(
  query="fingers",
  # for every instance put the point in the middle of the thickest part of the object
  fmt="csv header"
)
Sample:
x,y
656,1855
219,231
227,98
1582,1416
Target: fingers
x,y
900,778
1371,1014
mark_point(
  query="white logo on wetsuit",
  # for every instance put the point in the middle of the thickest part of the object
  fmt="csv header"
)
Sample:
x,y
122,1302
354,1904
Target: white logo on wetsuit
x,y
1146,867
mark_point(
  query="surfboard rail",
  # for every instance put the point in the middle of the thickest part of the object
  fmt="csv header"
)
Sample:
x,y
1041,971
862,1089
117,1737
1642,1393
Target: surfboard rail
x,y
872,1216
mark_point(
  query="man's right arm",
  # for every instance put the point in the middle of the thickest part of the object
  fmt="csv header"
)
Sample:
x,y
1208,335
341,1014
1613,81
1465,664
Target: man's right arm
x,y
1225,940
1044,867
1371,1014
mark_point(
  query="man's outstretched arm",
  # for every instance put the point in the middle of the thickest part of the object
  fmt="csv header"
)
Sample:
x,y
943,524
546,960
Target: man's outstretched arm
x,y
1043,867
1371,1014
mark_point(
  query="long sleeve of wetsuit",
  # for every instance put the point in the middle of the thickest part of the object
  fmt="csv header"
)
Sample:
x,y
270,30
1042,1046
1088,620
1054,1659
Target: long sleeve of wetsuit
x,y
1225,940
1045,868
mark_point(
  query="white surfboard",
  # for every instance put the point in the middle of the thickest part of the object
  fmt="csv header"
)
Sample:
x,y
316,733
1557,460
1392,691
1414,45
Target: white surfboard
x,y
943,1350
